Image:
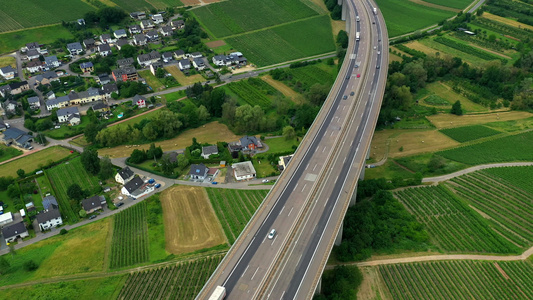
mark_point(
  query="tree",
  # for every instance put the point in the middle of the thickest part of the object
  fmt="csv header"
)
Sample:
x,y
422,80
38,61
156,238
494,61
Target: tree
x,y
106,169
318,93
154,152
21,173
166,166
83,213
203,114
160,73
90,131
74,191
90,161
342,39
289,133
30,265
4,265
13,191
182,161
137,156
456,108
128,51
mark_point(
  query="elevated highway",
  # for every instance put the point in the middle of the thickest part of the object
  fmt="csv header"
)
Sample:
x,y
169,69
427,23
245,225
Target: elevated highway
x,y
308,203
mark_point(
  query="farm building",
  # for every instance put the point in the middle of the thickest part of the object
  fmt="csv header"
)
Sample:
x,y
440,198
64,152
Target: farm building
x,y
49,219
198,172
124,175
15,231
243,170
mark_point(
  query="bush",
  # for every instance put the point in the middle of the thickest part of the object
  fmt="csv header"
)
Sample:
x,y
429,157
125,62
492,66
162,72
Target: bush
x,y
30,265
63,231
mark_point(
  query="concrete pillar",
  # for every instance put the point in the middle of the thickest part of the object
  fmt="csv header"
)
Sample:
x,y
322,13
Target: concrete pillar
x,y
362,174
339,2
338,239
346,17
354,196
319,286
344,11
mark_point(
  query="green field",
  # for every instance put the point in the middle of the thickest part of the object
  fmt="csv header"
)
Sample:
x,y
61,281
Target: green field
x,y
181,281
303,78
405,16
452,225
459,280
463,47
237,16
286,42
459,4
27,13
508,209
130,237
151,80
8,152
280,144
436,100
469,133
253,91
63,176
234,208
34,161
505,149
519,176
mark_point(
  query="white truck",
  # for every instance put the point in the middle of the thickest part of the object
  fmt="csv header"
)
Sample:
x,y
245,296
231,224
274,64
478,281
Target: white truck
x,y
375,10
219,293
357,36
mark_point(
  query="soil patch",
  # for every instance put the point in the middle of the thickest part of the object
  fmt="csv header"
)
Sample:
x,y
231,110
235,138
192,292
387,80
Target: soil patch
x,y
215,44
501,271
190,222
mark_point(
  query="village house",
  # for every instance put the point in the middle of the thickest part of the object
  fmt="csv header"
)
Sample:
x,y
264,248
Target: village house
x,y
51,62
243,170
139,100
166,31
158,19
93,204
152,35
121,43
195,55
32,54
90,95
10,106
209,150
69,114
149,58
17,137
32,46
155,66
198,172
133,187
139,15
59,102
109,89
46,77
284,161
19,87
100,107
103,79
89,43
184,64
198,64
125,74
5,90
34,65
104,49
179,54
106,38
34,102
146,24
135,29
50,202
13,232
228,60
6,218
87,67
124,175
49,219
167,57
125,62
8,72
121,33
250,143
139,39
75,48
177,24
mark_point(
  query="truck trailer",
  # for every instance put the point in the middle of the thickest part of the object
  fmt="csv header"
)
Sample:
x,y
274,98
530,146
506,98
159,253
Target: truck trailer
x,y
219,293
375,10
357,36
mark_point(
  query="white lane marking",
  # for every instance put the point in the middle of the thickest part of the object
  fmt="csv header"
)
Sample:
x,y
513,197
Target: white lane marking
x,y
306,167
255,273
282,295
325,133
272,244
295,186
324,149
264,239
304,187
281,210
344,107
290,211
332,132
245,270
314,167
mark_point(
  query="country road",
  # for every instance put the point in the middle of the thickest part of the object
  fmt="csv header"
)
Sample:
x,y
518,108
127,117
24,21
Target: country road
x,y
438,179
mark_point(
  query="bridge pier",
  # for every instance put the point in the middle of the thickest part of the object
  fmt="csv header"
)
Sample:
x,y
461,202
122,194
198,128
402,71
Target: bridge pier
x,y
338,239
354,196
344,10
318,289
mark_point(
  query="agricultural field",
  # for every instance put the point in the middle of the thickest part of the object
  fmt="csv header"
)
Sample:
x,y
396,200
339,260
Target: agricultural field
x,y
441,92
63,176
399,14
463,47
191,222
506,21
459,4
517,176
8,152
34,161
82,250
286,42
27,13
181,281
310,75
452,225
284,89
507,208
506,149
129,245
237,16
8,61
281,144
253,91
512,117
459,280
234,208
469,133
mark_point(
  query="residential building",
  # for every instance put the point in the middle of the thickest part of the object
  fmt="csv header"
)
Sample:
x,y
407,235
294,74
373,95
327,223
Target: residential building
x,y
74,48
109,89
177,24
32,54
81,22
50,95
139,100
90,95
63,114
121,43
209,150
92,204
34,102
132,187
87,67
149,58
166,31
155,66
19,87
3,126
104,49
106,38
10,106
139,15
5,90
49,219
50,202
198,64
103,79
135,29
158,19
228,60
46,77
179,54
59,102
51,62
8,72
13,232
198,171
243,170
124,175
125,62
125,74
89,43
184,64
6,218
167,57
139,39
121,33
100,107
196,55
146,24
284,161
33,46
250,143
34,65
152,35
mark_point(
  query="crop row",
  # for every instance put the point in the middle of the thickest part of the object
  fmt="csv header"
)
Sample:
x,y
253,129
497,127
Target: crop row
x,y
467,49
500,27
451,224
234,208
129,245
311,75
519,176
249,93
469,133
180,281
459,280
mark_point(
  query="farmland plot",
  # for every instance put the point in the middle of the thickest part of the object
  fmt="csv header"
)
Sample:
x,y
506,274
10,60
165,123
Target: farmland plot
x,y
182,281
452,225
459,4
518,176
469,133
234,208
253,92
129,245
459,280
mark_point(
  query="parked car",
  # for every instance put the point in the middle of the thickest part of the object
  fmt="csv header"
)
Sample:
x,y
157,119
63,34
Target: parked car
x,y
120,204
344,97
92,217
264,181
158,185
214,182
151,180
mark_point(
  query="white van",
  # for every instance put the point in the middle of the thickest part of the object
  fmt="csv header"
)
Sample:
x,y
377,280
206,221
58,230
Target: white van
x,y
272,234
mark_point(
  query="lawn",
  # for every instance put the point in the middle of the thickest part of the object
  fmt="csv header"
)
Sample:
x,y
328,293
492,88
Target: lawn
x,y
400,16
68,131
34,161
12,41
263,168
445,92
238,16
447,120
281,144
8,61
459,4
151,80
469,133
286,42
8,152
82,250
182,78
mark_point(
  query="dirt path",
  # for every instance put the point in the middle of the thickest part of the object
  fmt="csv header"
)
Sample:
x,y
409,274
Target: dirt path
x,y
473,169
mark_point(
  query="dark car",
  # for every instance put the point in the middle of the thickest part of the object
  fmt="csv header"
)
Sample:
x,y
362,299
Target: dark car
x,y
120,204
344,97
352,93
92,217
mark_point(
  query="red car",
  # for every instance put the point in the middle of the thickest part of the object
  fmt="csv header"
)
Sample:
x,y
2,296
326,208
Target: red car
x,y
358,75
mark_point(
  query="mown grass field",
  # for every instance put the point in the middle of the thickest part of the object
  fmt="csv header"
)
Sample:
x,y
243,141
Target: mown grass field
x,y
469,133
63,176
459,4
286,42
33,161
182,78
447,120
452,225
8,152
237,16
234,208
8,61
305,77
445,92
459,280
180,281
151,80
281,144
81,250
400,16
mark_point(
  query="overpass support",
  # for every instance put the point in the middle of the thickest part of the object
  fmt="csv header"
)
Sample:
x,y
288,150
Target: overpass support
x,y
338,239
319,286
354,196
344,10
